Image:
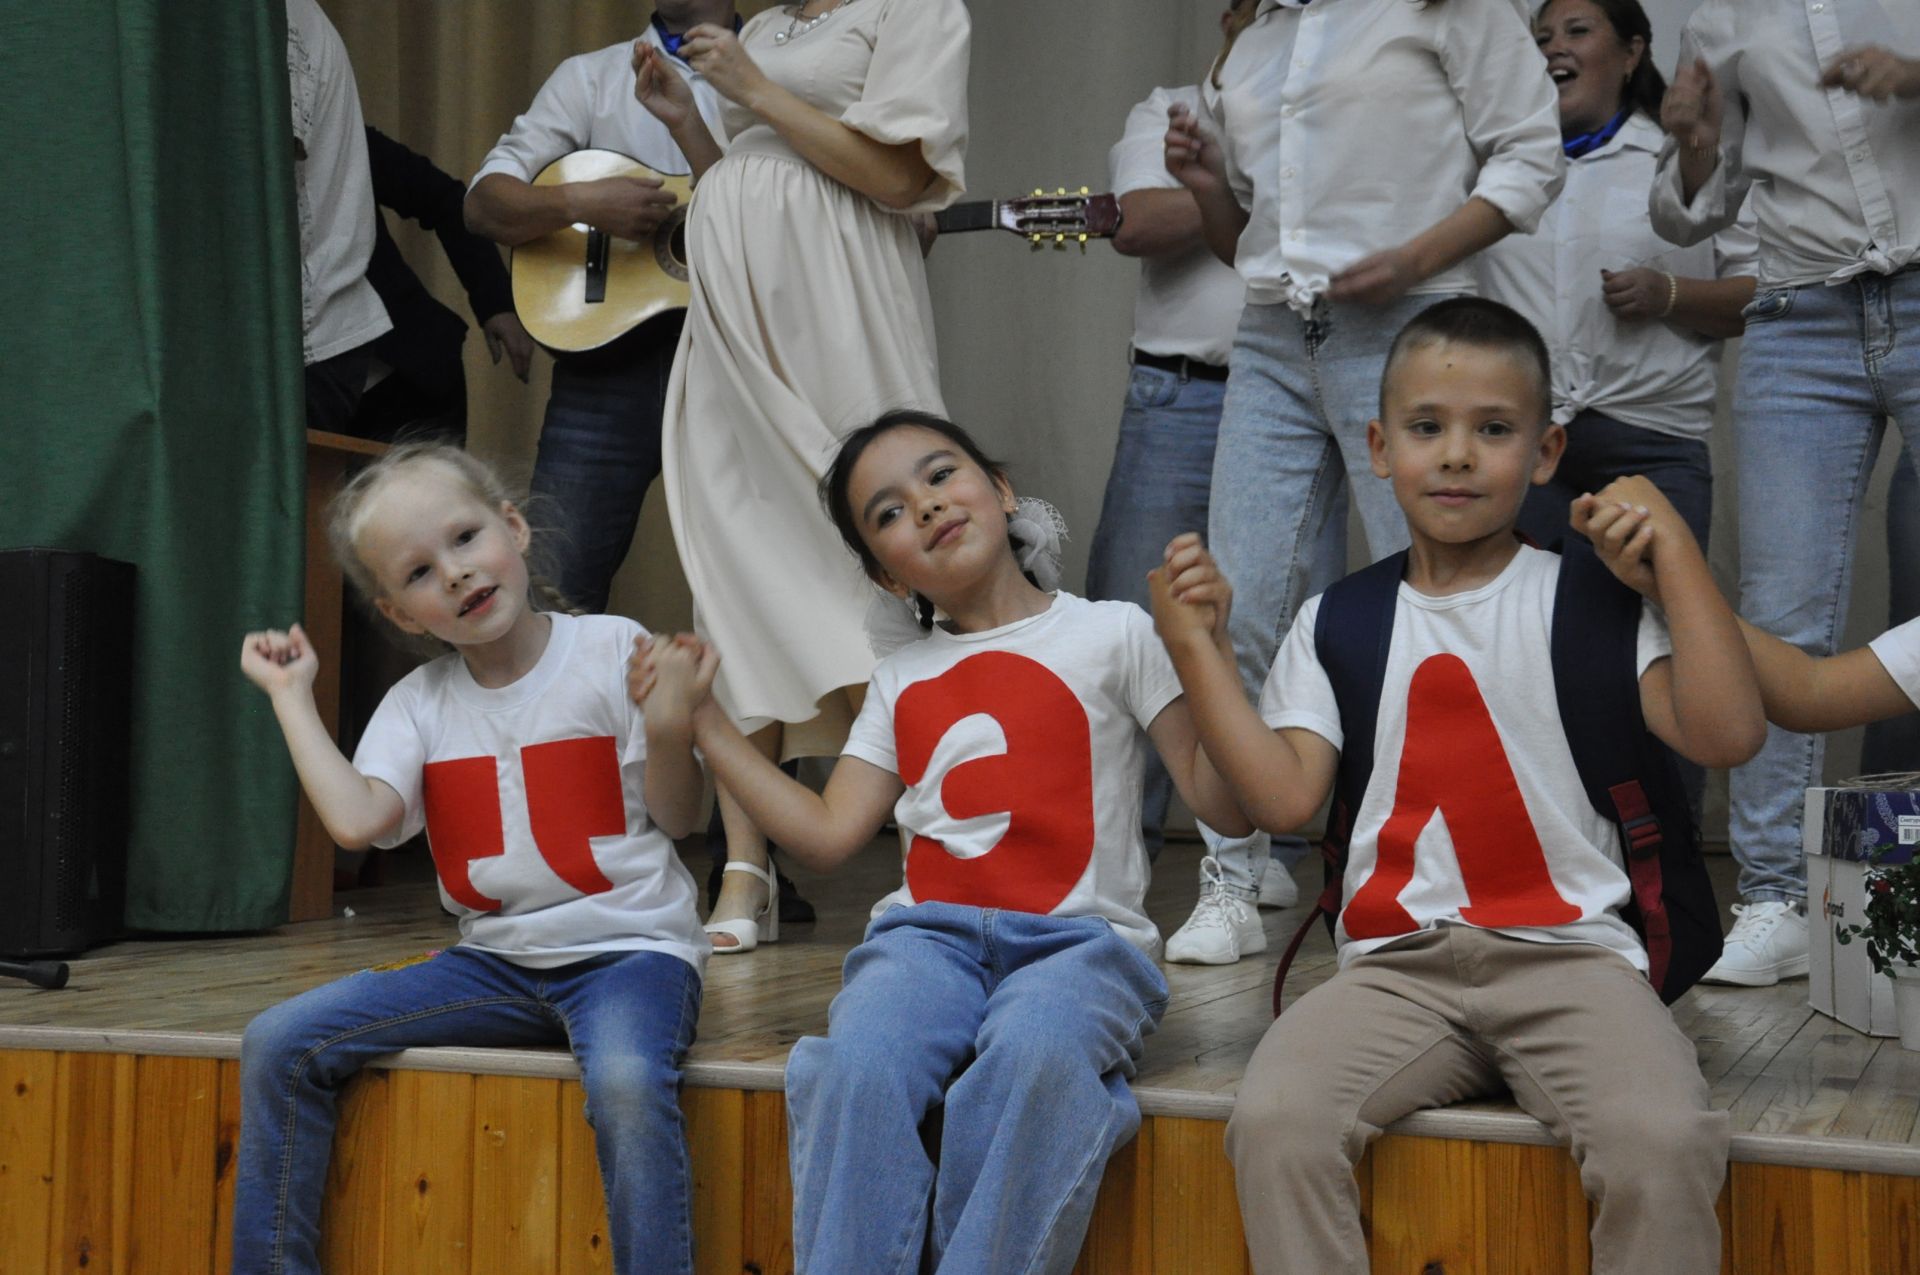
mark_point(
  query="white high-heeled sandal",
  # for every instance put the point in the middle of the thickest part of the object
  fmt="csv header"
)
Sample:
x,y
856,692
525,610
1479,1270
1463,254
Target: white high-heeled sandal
x,y
751,931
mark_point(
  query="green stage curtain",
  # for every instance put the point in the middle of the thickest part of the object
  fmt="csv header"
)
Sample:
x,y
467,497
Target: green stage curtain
x,y
150,398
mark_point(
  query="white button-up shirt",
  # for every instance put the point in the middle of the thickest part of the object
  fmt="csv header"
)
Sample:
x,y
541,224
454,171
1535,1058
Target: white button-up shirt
x,y
333,191
1639,371
1351,126
1188,303
588,102
1835,177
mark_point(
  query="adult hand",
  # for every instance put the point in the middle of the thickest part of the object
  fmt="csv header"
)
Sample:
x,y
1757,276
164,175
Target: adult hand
x,y
1873,72
277,661
507,335
624,207
661,89
1637,294
1691,110
715,52
1192,155
1378,279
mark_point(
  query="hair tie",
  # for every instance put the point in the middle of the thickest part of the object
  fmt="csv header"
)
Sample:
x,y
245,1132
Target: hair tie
x,y
1037,530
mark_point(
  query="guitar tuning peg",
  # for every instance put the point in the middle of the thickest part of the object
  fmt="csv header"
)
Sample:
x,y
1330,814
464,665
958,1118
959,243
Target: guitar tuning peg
x,y
1034,241
1060,191
1060,242
1083,245
1038,192
1085,191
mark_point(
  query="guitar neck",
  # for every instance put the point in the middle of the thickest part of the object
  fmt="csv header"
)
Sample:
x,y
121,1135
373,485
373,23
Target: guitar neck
x,y
979,215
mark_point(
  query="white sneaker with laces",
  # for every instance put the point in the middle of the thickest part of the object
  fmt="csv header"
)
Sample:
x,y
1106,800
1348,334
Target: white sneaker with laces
x,y
1768,942
1277,889
1223,928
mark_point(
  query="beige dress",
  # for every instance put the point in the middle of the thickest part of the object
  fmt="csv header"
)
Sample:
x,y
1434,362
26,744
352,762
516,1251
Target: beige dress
x,y
809,317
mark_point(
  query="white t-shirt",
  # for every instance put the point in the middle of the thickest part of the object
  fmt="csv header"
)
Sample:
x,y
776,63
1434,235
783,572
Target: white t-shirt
x,y
1188,304
588,102
1898,650
1350,126
1475,814
333,188
532,798
1641,372
1021,749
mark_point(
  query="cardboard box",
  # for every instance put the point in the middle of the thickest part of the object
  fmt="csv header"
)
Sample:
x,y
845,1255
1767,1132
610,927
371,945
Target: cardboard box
x,y
1843,830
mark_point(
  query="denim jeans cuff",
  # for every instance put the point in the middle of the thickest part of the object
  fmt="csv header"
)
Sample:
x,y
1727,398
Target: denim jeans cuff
x,y
1775,896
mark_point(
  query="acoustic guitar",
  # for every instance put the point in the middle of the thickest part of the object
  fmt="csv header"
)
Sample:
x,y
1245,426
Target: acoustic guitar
x,y
579,288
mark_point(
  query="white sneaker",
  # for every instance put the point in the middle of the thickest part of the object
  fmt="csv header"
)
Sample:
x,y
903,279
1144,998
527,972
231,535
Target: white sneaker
x,y
1223,928
1277,889
1768,942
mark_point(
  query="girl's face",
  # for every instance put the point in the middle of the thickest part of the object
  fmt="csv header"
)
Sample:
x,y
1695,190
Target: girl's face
x,y
933,519
447,563
1588,61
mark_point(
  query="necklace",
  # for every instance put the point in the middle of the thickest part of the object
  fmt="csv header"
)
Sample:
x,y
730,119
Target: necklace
x,y
796,29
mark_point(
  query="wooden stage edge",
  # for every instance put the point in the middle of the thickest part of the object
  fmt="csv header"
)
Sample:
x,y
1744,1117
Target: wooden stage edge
x,y
1802,1151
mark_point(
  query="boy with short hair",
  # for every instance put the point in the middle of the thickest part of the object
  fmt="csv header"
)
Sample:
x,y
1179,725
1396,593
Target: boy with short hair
x,y
1483,947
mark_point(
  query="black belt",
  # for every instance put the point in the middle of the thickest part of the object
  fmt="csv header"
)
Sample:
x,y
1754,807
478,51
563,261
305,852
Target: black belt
x,y
1181,366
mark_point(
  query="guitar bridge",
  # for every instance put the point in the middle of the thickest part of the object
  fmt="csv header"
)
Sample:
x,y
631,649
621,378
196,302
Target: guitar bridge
x,y
596,288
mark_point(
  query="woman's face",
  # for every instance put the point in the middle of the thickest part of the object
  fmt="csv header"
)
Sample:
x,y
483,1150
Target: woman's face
x,y
1588,61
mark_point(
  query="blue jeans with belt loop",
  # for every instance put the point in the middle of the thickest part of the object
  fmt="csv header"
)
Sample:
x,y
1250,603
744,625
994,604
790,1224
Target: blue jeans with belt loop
x,y
1821,370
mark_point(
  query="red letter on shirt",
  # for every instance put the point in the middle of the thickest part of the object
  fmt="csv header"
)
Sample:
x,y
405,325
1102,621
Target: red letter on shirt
x,y
1044,781
463,824
1453,762
573,793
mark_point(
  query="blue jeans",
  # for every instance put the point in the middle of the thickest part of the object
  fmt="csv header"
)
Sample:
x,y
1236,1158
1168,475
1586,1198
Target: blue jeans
x,y
1022,1031
628,1016
1820,371
599,452
1293,425
1157,489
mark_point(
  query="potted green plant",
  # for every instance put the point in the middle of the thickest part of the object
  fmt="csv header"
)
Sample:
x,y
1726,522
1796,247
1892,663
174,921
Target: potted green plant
x,y
1891,932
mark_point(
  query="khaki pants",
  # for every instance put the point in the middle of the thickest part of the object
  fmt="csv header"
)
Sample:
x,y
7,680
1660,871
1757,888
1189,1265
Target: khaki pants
x,y
1573,1030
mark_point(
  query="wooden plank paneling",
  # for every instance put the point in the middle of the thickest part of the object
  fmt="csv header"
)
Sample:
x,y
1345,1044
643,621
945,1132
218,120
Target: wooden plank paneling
x,y
1196,1215
430,1174
176,1144
516,1173
1428,1199
586,1248
1893,1223
29,1102
80,1233
225,1163
353,1222
126,1078
1772,1218
766,1233
1536,1214
1120,1232
716,1137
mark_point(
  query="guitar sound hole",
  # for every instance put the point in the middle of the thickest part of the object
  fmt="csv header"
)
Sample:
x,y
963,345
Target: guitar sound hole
x,y
670,245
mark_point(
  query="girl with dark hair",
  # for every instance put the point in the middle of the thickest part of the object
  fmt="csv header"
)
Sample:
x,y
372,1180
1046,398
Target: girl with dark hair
x,y
1009,981
1634,324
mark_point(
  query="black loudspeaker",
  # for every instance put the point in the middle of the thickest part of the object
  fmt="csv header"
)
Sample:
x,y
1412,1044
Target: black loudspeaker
x,y
66,694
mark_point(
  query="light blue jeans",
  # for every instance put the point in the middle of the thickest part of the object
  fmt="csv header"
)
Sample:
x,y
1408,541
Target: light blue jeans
x,y
629,1017
1158,487
1021,1032
1293,426
1820,371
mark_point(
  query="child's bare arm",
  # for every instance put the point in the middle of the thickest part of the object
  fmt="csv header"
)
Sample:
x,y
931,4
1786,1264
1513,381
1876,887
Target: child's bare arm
x,y
1197,782
1279,778
357,811
1806,693
822,830
673,786
1704,703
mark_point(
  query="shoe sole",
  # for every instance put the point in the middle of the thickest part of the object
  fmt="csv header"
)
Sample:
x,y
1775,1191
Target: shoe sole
x,y
1796,968
1253,947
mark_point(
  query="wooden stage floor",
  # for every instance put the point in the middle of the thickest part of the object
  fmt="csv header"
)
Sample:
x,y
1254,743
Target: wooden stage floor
x,y
1803,1090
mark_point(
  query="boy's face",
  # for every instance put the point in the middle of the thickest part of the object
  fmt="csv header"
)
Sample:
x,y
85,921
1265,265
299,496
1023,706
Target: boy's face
x,y
1463,437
